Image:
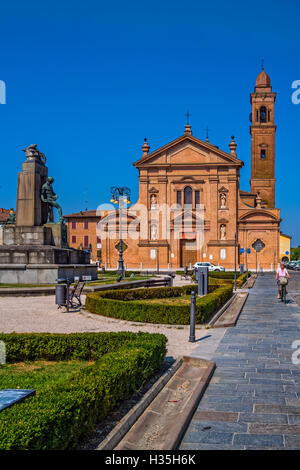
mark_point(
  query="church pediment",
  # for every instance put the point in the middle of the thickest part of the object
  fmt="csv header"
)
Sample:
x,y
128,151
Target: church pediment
x,y
188,150
258,215
187,214
189,179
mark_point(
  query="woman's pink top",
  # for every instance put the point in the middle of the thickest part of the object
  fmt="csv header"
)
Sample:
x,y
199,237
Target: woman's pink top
x,y
282,272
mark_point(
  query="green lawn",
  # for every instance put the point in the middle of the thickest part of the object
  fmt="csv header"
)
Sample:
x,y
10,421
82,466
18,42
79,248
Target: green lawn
x,y
102,279
182,300
37,375
112,279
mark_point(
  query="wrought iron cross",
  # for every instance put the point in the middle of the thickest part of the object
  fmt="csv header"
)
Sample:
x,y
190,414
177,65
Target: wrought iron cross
x,y
207,136
188,117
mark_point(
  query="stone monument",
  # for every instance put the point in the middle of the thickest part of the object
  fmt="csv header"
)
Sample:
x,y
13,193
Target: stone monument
x,y
35,248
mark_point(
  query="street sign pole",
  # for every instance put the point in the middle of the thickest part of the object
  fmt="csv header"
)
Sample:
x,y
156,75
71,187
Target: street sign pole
x,y
258,246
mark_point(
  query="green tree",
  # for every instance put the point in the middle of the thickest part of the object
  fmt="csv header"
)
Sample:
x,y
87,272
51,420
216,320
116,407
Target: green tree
x,y
295,253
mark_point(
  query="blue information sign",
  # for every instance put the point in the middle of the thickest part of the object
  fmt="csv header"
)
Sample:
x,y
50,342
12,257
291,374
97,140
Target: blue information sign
x,y
242,251
248,250
9,397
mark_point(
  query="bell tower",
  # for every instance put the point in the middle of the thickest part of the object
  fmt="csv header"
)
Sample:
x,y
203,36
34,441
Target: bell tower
x,y
262,132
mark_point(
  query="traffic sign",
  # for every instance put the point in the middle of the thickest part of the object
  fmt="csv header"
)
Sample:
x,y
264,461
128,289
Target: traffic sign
x,y
242,250
248,250
287,252
258,245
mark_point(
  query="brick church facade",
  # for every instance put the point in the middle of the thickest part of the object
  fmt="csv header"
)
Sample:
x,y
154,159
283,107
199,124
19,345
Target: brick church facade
x,y
191,207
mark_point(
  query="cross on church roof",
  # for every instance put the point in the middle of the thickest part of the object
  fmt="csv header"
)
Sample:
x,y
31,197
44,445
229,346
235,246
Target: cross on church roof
x,y
262,64
207,135
188,117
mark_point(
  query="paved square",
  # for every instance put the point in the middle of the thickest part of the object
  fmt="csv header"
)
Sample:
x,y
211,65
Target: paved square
x,y
252,401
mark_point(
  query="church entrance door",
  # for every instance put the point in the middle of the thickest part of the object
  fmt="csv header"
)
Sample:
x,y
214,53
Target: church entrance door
x,y
188,252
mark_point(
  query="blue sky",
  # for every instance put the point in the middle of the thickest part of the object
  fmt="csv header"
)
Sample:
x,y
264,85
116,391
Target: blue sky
x,y
87,81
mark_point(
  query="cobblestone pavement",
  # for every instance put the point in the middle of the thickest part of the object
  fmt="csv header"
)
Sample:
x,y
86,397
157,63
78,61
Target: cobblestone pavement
x,y
294,286
252,401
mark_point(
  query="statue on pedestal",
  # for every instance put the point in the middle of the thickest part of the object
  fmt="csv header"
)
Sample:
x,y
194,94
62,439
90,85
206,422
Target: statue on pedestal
x,y
49,197
11,218
153,202
32,153
223,201
153,232
223,232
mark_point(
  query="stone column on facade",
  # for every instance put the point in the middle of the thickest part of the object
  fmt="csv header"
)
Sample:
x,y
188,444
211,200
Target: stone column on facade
x,y
232,215
213,206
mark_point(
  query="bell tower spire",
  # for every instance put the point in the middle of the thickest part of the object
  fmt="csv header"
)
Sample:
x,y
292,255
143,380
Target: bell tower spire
x,y
262,132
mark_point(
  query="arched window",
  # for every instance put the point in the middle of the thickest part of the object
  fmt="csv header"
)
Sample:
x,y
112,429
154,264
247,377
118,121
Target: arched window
x,y
188,196
263,114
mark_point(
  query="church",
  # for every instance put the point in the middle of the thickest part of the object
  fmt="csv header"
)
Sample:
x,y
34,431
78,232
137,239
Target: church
x,y
191,208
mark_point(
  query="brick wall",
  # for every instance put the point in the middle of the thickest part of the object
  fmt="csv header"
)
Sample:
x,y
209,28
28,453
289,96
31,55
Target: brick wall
x,y
82,232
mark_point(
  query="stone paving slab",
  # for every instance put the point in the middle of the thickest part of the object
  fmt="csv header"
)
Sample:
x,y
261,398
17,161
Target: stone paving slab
x,y
232,313
253,399
162,423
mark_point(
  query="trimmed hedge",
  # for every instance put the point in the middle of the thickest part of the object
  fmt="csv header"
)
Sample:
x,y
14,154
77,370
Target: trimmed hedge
x,y
223,274
63,347
129,305
241,280
59,416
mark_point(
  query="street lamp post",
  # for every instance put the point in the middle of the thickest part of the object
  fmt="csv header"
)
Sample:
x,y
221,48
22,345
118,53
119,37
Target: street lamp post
x,y
120,196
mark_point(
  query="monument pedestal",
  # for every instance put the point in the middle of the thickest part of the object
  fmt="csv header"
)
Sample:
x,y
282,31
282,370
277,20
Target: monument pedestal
x,y
24,235
34,251
59,235
44,273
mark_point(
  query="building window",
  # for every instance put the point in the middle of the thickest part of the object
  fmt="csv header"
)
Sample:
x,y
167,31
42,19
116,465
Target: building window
x,y
223,253
73,225
263,154
85,225
197,198
86,241
188,196
263,114
178,198
73,238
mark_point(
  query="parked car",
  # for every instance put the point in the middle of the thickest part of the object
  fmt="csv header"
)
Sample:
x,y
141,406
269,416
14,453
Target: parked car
x,y
210,266
296,266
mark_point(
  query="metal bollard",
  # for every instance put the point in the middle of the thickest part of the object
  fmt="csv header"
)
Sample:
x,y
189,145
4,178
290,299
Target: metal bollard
x,y
200,279
192,337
